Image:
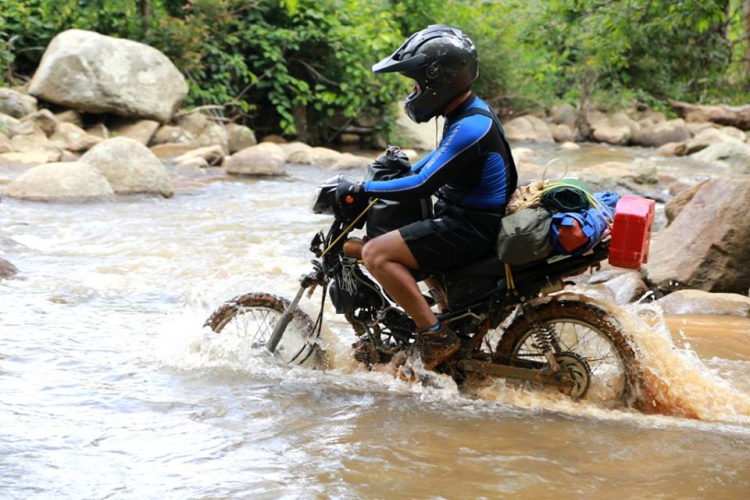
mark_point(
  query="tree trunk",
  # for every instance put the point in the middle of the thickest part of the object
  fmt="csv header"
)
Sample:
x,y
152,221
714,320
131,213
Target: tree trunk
x,y
746,33
583,128
145,7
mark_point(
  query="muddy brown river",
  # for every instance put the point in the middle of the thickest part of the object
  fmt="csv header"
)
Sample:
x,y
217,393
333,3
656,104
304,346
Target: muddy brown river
x,y
110,388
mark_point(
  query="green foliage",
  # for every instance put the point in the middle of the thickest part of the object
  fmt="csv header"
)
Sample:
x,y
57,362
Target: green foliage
x,y
302,67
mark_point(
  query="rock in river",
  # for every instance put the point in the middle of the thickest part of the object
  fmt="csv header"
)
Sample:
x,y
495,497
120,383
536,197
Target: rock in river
x,y
700,302
90,72
130,167
69,181
16,104
256,160
707,245
7,269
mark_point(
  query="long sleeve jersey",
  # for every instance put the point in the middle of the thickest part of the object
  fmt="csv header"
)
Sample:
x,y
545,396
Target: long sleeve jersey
x,y
472,167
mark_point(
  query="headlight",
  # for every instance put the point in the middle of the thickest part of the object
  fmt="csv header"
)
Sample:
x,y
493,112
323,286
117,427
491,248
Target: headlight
x,y
314,199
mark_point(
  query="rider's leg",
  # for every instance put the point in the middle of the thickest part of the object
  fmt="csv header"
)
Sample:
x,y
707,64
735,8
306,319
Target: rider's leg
x,y
389,259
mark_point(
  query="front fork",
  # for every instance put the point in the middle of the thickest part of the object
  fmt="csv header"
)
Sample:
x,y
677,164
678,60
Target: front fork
x,y
278,332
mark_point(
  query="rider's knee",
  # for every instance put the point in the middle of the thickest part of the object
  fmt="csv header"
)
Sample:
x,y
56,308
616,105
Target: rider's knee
x,y
372,256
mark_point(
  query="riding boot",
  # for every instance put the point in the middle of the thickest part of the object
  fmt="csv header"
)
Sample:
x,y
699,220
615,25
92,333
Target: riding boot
x,y
434,347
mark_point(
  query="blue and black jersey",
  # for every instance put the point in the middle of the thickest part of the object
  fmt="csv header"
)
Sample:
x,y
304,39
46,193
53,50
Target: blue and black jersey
x,y
472,168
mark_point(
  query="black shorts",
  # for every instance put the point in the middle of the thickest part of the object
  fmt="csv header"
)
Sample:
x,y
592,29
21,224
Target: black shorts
x,y
454,238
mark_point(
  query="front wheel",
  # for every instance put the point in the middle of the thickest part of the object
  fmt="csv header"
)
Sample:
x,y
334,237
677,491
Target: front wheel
x,y
589,339
253,317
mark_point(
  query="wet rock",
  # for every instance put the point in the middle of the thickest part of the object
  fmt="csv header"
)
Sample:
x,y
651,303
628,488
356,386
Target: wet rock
x,y
194,163
44,120
521,155
171,150
70,116
70,181
70,137
616,129
138,130
562,133
4,181
272,148
211,155
37,143
734,132
707,245
697,128
256,161
169,134
16,104
90,72
99,130
700,302
419,136
130,167
627,287
297,152
5,145
351,162
670,149
274,139
674,206
706,138
638,177
7,269
563,114
205,131
732,157
569,146
528,128
239,137
662,133
736,116
324,157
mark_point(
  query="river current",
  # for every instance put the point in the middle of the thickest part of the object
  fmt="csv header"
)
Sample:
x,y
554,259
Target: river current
x,y
110,387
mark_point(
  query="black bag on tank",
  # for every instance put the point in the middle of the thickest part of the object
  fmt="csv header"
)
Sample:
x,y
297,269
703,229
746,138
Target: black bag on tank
x,y
388,215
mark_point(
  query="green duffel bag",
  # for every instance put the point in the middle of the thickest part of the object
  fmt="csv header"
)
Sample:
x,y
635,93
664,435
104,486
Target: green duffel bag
x,y
524,236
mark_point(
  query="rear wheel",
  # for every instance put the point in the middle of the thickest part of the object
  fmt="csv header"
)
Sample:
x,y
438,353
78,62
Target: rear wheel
x,y
253,317
590,339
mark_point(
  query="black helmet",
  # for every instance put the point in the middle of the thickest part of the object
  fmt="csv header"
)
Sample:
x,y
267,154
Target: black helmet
x,y
442,60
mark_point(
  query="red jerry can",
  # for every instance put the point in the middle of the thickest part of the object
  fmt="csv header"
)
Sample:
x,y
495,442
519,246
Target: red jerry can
x,y
631,232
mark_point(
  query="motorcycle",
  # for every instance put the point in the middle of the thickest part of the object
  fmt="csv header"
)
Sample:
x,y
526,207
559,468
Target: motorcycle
x,y
514,322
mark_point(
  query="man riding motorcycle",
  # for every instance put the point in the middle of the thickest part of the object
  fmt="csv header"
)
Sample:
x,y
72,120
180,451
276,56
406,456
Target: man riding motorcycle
x,y
471,172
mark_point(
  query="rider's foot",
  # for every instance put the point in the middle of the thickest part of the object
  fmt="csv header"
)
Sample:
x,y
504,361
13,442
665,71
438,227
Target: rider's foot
x,y
435,346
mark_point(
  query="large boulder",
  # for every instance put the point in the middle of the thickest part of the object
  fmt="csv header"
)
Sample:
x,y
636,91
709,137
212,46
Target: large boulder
x,y
731,157
700,302
725,115
707,246
256,160
130,167
637,177
615,129
707,137
419,136
69,181
324,157
139,130
348,161
649,117
674,206
563,133
70,137
661,133
206,131
563,114
16,104
239,137
7,269
297,152
528,128
90,72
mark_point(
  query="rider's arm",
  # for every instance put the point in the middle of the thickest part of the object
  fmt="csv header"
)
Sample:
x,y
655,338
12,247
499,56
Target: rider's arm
x,y
459,147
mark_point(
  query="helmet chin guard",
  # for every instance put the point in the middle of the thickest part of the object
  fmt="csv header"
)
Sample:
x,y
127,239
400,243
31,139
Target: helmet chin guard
x,y
443,62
